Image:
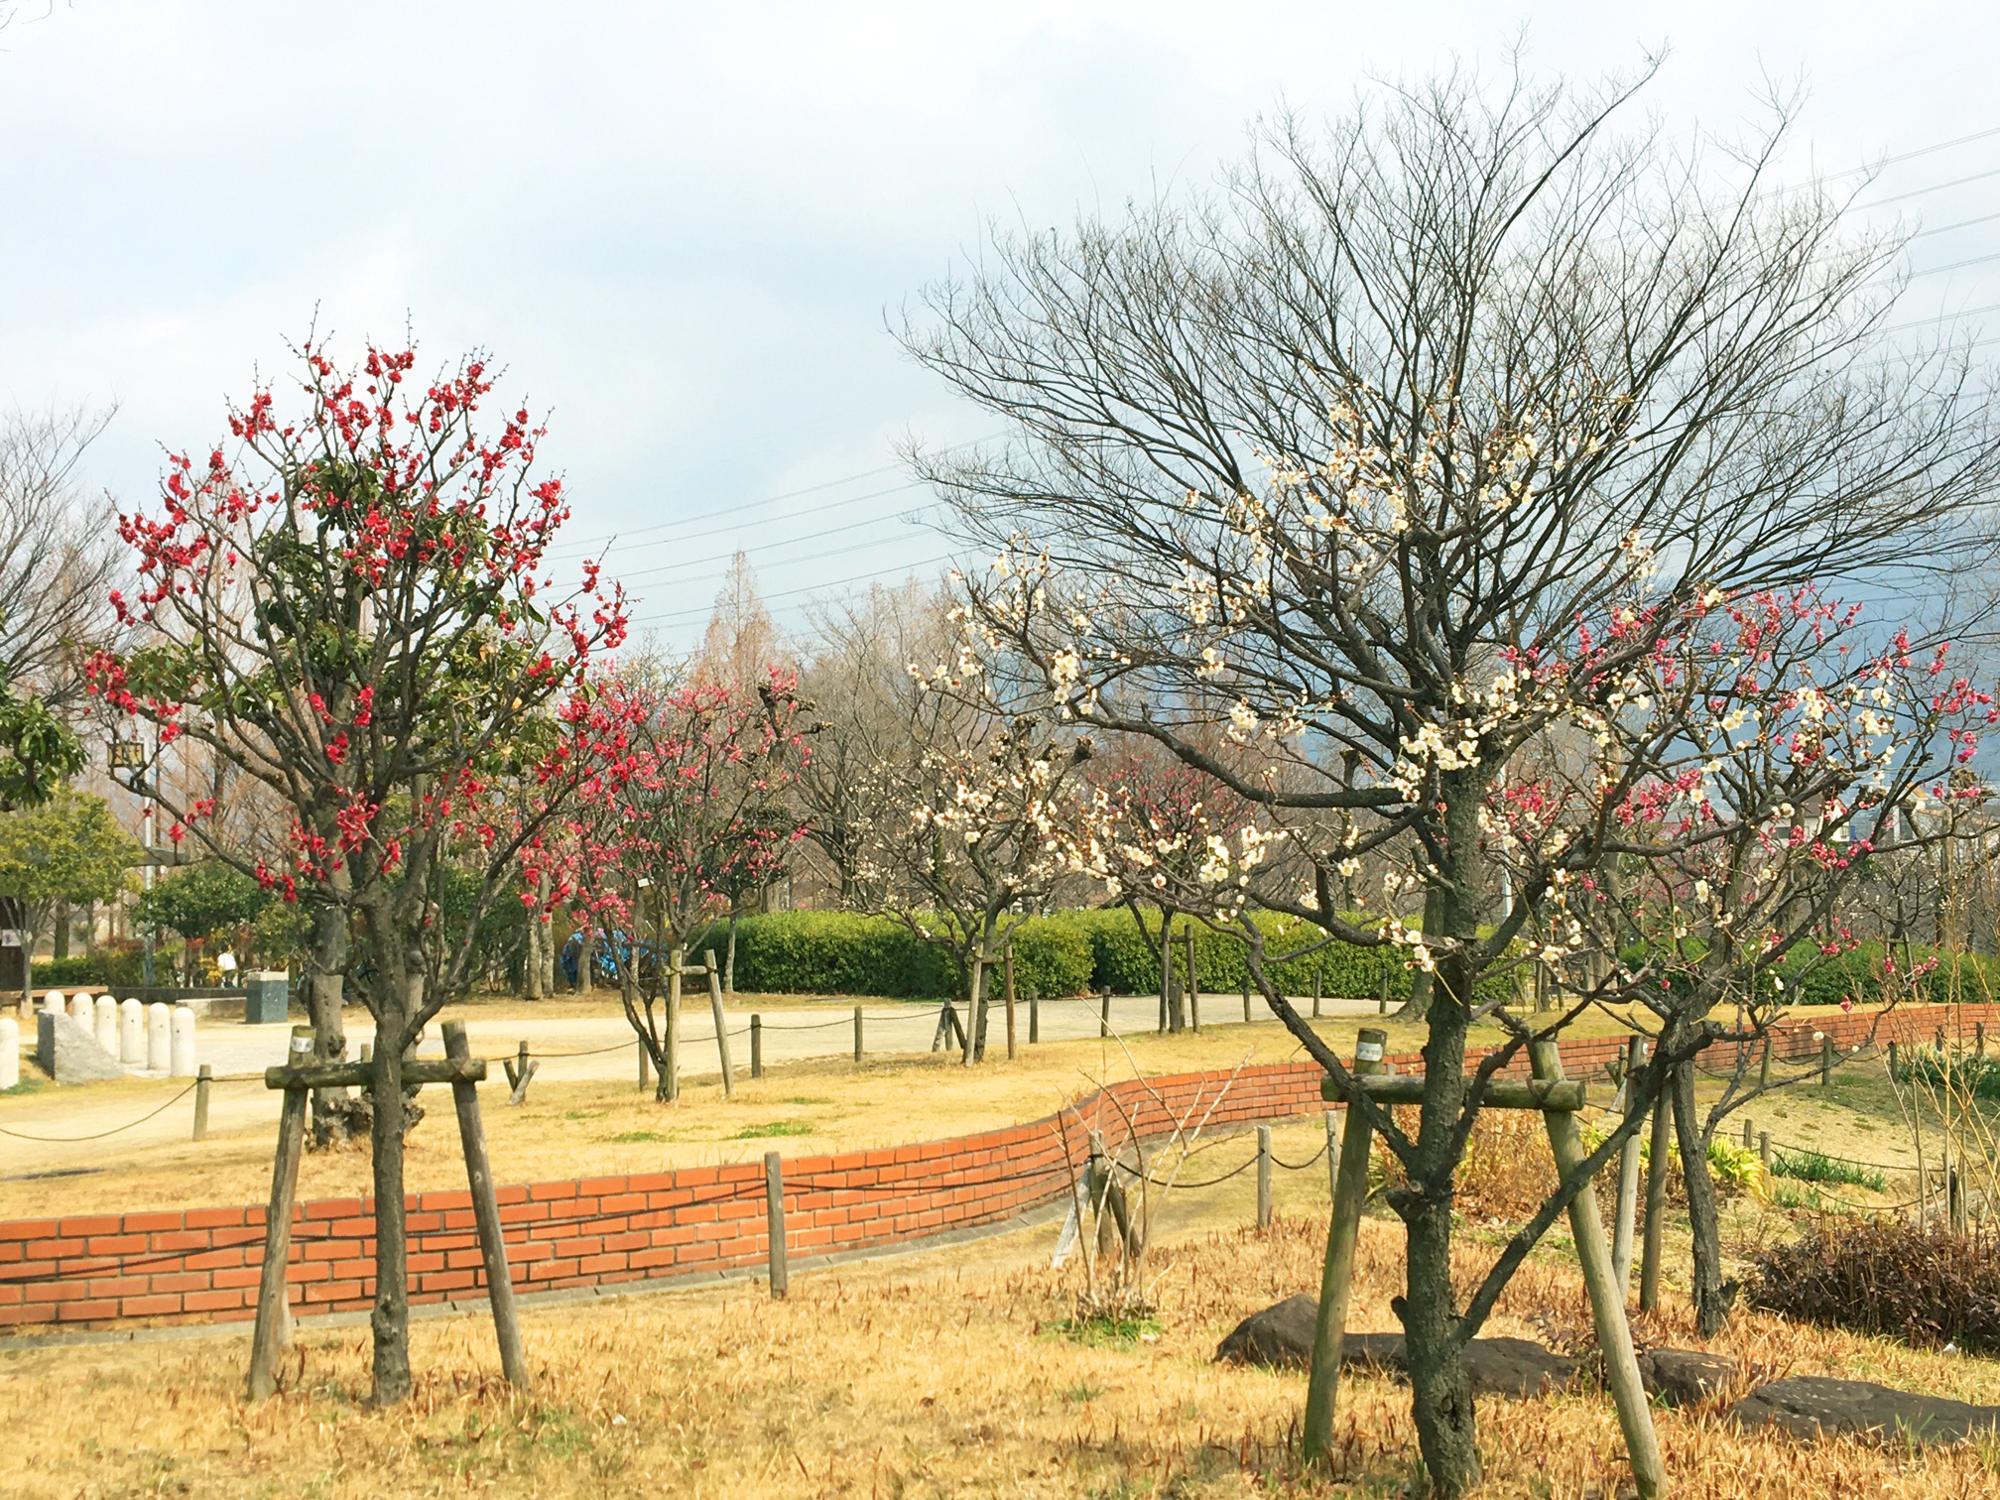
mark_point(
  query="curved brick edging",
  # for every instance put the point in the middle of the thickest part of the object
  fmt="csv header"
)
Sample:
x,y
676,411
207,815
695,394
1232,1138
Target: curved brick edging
x,y
196,1265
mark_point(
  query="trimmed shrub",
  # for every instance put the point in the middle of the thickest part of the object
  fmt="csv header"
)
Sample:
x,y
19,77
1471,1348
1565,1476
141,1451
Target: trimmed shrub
x,y
1925,1285
109,965
1858,974
846,953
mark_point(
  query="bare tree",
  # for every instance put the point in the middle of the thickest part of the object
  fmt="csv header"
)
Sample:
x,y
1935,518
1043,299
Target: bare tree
x,y
1416,444
59,556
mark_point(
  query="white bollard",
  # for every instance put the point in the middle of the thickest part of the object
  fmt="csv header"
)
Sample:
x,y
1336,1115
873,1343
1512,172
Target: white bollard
x,y
183,1042
131,1033
159,1038
107,1024
10,1052
52,1002
83,1012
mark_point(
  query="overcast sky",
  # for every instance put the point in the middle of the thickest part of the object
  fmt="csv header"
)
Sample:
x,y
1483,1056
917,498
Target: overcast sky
x,y
680,227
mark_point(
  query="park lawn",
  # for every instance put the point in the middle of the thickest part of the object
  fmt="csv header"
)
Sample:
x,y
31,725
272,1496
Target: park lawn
x,y
939,1374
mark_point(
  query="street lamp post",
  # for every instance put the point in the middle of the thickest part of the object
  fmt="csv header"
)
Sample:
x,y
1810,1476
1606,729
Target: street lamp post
x,y
130,755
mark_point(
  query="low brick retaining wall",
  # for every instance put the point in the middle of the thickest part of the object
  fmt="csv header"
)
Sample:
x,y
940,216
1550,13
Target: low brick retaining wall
x,y
201,1264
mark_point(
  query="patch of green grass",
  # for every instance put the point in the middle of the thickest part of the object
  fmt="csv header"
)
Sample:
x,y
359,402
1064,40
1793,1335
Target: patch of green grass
x,y
27,1085
1812,1166
773,1128
807,1099
1082,1392
638,1137
1789,1195
584,1114
1105,1331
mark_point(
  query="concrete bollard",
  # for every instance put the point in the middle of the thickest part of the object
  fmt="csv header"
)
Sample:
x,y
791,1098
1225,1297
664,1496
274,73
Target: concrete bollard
x,y
107,1024
159,1038
83,1011
10,1052
52,1002
131,1033
181,1053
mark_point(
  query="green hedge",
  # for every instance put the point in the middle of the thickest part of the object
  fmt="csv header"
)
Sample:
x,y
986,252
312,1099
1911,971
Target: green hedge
x,y
1815,978
843,953
91,969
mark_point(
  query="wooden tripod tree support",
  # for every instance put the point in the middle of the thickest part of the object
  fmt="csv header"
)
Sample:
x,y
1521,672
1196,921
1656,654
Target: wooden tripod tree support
x,y
1558,1099
298,1079
520,1072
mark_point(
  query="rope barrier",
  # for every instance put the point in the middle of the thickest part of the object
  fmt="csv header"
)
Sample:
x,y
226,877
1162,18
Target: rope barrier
x,y
63,1140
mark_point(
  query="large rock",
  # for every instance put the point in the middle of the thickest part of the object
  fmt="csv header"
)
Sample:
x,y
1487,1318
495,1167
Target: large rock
x,y
1809,1405
1281,1337
69,1053
1685,1377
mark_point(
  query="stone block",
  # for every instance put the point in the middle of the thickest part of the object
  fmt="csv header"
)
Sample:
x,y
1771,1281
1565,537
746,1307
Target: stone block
x,y
267,997
69,1053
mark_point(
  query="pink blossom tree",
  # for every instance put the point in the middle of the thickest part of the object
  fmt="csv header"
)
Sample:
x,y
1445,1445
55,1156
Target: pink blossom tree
x,y
349,603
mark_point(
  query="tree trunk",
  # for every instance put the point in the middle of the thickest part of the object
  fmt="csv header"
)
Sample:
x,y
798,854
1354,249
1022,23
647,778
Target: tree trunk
x,y
729,957
1712,1298
59,941
1170,1000
531,963
1440,1393
389,1323
335,1115
585,955
1436,904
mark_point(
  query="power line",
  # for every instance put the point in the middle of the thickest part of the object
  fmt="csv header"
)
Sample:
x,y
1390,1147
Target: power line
x,y
790,541
694,614
1890,161
1936,187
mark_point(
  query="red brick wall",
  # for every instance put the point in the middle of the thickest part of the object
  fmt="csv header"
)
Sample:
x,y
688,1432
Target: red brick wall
x,y
201,1264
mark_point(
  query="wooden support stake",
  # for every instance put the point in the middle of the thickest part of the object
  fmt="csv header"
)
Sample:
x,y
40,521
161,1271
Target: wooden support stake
x,y
1764,1150
756,1046
721,1024
774,1205
1607,1302
1825,1061
273,1324
671,1066
645,1065
1656,1205
1246,1000
1193,986
1007,972
1104,1013
1332,1152
1749,1135
204,1078
1263,1177
1628,1172
1350,1196
486,1215
857,1036
520,1075
1382,997
1318,984
1034,1017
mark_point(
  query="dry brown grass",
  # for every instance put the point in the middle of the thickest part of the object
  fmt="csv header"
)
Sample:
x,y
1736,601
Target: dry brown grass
x,y
607,1129
939,1375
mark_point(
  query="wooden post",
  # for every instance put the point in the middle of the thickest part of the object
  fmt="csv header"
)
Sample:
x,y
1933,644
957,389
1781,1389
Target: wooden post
x,y
672,1064
1263,1177
1318,984
1825,1061
1350,1196
1193,985
1749,1134
519,1071
1892,1059
857,1036
721,1027
1007,972
1382,997
1246,999
1764,1064
273,1324
774,1206
1104,1012
203,1079
1940,1039
1332,1153
645,1065
1628,1172
1656,1204
756,1046
1764,1150
1607,1303
1034,1017
486,1213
